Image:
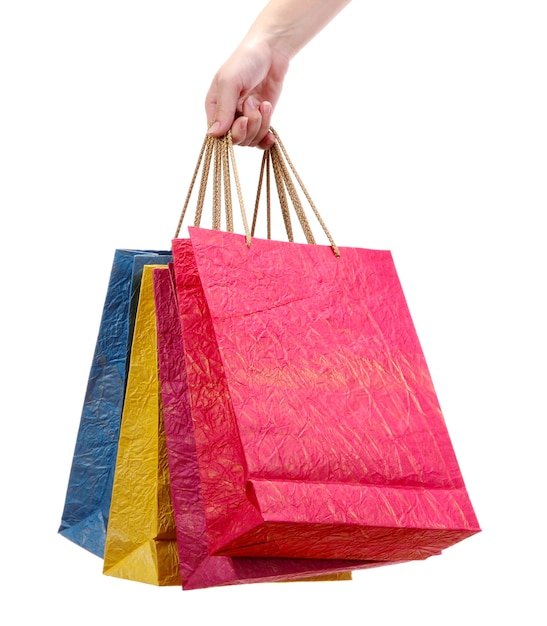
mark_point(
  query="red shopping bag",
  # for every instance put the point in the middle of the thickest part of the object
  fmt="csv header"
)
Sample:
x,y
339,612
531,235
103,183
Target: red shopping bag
x,y
183,385
332,443
327,440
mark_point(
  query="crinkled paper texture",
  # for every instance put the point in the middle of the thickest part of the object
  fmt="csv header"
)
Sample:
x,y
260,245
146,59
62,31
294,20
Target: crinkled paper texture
x,y
183,383
332,443
141,539
87,504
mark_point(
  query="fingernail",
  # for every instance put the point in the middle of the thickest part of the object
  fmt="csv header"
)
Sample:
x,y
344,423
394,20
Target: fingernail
x,y
251,103
213,128
266,108
268,141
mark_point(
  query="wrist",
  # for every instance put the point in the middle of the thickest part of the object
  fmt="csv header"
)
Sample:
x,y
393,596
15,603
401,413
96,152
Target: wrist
x,y
269,41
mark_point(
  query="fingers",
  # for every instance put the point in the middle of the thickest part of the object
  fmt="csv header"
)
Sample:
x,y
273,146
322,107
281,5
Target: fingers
x,y
246,129
252,128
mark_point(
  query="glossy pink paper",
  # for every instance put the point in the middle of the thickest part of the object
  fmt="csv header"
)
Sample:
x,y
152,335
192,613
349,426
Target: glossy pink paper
x,y
330,442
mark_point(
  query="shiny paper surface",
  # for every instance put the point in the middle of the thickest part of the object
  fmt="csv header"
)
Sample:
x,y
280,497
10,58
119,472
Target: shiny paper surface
x,y
331,442
140,539
85,514
183,383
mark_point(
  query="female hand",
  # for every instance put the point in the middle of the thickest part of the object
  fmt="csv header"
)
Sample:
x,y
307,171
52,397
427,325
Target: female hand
x,y
244,93
246,89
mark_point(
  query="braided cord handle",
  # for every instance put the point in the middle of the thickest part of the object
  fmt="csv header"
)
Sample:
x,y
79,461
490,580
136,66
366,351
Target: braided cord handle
x,y
277,160
220,153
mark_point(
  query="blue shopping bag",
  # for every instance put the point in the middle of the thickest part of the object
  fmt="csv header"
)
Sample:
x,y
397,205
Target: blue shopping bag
x,y
89,492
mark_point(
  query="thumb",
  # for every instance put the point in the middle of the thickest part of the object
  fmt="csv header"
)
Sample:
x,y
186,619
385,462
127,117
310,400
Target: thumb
x,y
221,111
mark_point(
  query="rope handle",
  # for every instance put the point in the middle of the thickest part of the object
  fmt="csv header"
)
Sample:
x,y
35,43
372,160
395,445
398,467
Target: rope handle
x,y
277,160
220,152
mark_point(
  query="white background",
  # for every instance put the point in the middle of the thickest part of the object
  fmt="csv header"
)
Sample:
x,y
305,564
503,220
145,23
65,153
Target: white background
x,y
417,126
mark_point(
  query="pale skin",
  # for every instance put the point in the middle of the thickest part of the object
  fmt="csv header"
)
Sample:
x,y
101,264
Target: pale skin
x,y
246,89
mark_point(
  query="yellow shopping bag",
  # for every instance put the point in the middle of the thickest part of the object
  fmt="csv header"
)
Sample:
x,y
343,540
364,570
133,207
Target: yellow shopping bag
x,y
141,539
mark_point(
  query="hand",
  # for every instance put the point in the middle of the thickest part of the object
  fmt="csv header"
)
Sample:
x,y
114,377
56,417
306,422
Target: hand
x,y
244,92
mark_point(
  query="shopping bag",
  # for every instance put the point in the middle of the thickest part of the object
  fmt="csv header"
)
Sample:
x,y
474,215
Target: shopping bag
x,y
330,442
333,444
183,385
140,537
87,502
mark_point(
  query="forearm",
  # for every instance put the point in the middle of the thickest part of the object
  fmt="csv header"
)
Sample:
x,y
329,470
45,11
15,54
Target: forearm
x,y
288,25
